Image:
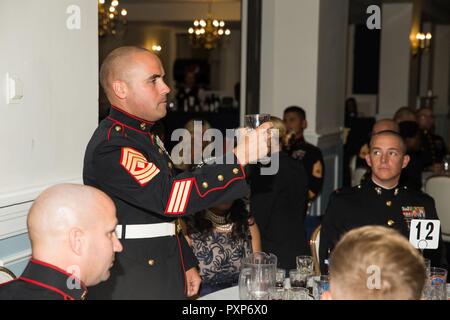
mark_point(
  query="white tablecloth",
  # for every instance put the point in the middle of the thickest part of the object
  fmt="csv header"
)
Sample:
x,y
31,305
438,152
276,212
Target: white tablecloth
x,y
231,293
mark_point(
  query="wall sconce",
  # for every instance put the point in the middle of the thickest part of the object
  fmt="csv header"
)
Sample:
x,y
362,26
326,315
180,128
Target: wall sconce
x,y
156,48
422,42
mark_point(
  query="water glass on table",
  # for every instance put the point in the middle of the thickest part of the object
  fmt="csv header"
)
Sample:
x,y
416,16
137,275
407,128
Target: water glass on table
x,y
298,294
305,264
322,284
280,277
297,278
278,294
436,285
427,266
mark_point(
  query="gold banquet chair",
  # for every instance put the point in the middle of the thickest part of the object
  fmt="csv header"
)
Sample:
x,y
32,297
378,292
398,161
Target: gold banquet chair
x,y
6,275
314,246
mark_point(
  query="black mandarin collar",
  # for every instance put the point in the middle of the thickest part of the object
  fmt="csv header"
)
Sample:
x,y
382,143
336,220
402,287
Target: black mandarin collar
x,y
370,185
128,120
54,279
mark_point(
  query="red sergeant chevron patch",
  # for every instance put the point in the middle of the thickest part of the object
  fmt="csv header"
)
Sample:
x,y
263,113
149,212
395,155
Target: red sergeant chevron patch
x,y
179,196
138,166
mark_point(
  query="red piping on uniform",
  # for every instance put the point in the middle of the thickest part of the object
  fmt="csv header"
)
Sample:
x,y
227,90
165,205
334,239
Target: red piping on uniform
x,y
182,265
220,188
132,116
2,284
59,270
40,284
109,131
242,169
124,125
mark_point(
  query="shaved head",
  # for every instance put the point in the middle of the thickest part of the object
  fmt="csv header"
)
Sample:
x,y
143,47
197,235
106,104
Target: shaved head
x,y
73,225
117,66
62,207
133,81
385,125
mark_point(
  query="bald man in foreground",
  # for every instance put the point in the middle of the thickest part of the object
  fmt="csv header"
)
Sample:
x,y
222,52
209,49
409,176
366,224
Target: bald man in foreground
x,y
73,242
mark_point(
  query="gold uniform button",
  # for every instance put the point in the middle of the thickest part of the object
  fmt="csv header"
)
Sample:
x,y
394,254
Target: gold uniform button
x,y
160,151
117,128
220,177
170,165
205,185
235,170
151,262
389,203
143,126
390,223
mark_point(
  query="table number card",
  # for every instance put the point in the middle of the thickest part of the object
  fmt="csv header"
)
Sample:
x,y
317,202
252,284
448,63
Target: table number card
x,y
424,234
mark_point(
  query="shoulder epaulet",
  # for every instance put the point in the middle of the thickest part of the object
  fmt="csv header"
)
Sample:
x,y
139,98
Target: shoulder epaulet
x,y
115,130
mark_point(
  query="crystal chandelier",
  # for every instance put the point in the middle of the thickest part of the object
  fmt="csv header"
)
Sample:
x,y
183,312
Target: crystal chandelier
x,y
206,33
110,17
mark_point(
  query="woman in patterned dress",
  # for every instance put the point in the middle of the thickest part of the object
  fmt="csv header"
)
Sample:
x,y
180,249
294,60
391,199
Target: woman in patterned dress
x,y
220,237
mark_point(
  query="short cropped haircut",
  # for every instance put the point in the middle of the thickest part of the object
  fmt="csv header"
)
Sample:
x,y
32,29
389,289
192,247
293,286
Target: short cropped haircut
x,y
109,65
389,133
362,251
298,110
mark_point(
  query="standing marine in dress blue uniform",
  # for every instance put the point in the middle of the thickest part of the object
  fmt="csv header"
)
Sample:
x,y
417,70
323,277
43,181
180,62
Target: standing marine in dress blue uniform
x,y
128,162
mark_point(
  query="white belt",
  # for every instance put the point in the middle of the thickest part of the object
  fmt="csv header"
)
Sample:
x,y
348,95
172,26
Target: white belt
x,y
142,231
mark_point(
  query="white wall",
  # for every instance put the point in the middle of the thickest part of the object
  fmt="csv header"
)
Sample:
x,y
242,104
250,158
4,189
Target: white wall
x,y
304,46
289,55
395,58
332,66
43,138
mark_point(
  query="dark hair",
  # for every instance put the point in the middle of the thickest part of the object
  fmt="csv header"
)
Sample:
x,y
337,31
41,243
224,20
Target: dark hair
x,y
238,216
298,110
